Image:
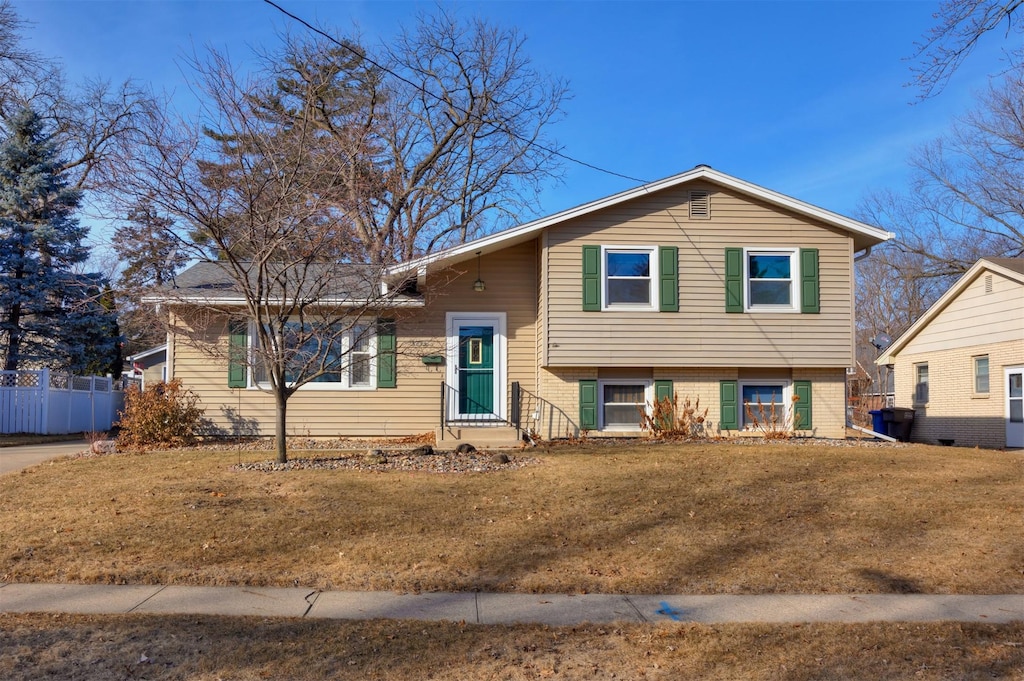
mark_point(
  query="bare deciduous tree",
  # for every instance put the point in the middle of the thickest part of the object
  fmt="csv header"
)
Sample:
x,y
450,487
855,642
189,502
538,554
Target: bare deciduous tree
x,y
965,201
449,137
277,260
966,196
960,25
93,123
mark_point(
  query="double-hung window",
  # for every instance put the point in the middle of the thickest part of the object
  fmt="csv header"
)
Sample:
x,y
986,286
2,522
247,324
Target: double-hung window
x,y
629,278
981,375
771,279
921,383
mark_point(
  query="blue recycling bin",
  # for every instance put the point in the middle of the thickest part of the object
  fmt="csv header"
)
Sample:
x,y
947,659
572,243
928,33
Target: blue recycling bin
x,y
877,421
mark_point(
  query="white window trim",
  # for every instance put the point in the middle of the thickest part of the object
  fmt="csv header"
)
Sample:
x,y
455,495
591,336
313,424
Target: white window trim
x,y
652,254
794,280
346,344
787,398
648,385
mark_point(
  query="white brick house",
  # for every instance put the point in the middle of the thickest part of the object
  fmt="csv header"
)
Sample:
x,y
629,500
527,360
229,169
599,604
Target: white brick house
x,y
961,365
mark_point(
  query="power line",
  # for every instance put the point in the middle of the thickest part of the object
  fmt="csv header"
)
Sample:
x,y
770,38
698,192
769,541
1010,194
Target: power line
x,y
553,152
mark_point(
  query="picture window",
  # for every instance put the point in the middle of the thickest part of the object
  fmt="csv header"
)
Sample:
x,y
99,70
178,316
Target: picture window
x,y
348,356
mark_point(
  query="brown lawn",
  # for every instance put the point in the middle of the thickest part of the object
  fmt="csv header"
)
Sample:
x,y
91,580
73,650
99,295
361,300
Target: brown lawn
x,y
243,649
636,518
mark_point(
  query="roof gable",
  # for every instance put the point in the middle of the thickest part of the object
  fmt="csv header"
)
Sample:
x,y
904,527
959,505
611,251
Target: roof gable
x,y
864,235
1010,268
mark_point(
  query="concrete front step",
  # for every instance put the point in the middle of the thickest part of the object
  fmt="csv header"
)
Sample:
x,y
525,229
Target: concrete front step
x,y
478,436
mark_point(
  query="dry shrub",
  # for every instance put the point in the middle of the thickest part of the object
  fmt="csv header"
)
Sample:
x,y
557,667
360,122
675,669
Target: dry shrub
x,y
667,420
775,423
163,414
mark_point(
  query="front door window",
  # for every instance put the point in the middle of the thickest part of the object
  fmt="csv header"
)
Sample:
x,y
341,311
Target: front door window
x,y
1015,407
476,369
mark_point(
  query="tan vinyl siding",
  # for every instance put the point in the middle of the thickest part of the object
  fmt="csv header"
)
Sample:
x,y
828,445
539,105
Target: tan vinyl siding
x,y
414,406
975,317
702,333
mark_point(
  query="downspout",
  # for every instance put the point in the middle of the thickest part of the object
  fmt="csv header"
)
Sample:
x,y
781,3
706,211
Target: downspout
x,y
870,432
849,424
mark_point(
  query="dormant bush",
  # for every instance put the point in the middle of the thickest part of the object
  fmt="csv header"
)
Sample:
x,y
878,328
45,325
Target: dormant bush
x,y
162,414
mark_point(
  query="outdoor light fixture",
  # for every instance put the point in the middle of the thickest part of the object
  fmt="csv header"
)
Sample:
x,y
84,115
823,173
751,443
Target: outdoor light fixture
x,y
479,284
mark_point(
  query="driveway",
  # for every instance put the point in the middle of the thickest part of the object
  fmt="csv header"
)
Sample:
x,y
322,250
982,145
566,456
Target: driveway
x,y
16,458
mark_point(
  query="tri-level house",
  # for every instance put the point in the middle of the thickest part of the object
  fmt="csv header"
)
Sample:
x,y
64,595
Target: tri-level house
x,y
700,285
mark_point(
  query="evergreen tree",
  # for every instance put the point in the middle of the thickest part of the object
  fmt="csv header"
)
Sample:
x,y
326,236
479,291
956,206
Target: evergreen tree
x,y
150,250
89,341
40,241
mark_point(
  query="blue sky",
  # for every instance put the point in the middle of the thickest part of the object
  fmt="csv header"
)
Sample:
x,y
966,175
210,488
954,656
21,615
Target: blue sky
x,y
805,98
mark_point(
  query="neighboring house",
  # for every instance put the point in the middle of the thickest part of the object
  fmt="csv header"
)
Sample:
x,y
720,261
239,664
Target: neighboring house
x,y
148,366
960,366
701,285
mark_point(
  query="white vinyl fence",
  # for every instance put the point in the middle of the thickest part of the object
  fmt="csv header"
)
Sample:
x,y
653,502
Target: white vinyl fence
x,y
46,403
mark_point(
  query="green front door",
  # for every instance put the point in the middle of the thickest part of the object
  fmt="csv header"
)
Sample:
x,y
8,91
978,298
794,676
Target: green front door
x,y
476,369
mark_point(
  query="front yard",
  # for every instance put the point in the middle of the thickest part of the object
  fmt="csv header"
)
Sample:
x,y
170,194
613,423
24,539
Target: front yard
x,y
638,518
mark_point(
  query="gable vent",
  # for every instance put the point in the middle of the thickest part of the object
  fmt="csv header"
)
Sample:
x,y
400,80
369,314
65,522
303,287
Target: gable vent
x,y
700,205
988,283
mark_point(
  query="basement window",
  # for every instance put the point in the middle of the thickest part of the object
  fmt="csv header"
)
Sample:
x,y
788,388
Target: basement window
x,y
622,403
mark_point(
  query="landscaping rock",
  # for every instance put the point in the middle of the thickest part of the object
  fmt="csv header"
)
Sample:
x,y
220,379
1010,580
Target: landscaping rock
x,y
441,462
375,456
104,447
465,448
425,450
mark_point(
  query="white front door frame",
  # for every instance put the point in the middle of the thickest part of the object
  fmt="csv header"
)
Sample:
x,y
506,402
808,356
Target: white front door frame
x,y
453,322
1014,429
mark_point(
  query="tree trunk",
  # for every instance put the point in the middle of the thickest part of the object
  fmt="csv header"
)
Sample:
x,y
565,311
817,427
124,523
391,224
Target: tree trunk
x,y
13,338
279,426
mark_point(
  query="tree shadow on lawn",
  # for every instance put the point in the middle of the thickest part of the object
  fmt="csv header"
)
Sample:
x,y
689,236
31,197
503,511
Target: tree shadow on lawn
x,y
784,538
698,561
889,583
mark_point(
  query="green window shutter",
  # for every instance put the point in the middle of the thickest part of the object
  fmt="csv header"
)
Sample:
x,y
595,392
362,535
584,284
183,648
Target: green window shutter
x,y
668,274
588,405
237,346
802,407
810,299
387,354
591,278
729,411
662,390
734,280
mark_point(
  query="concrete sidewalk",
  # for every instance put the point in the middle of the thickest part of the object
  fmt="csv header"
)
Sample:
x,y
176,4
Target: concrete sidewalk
x,y
505,608
20,457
